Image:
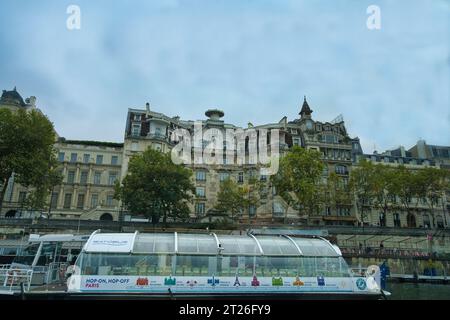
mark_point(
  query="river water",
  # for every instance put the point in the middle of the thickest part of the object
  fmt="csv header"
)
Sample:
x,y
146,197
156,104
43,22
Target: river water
x,y
418,291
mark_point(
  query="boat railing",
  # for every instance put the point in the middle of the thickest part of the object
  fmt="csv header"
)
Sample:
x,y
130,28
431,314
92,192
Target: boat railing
x,y
12,277
56,272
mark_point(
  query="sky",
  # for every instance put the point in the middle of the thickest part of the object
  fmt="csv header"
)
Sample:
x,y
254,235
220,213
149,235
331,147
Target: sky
x,y
253,59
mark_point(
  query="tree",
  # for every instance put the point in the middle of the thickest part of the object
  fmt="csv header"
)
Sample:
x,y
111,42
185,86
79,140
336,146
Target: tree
x,y
383,188
155,187
405,185
297,181
251,192
336,193
230,198
431,186
362,186
38,197
26,149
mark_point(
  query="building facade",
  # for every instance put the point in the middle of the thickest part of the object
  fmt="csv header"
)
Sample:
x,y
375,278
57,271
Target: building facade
x,y
91,168
419,215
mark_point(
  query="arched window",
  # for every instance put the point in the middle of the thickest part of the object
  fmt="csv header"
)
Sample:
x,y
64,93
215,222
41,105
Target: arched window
x,y
426,221
106,217
440,222
11,214
411,220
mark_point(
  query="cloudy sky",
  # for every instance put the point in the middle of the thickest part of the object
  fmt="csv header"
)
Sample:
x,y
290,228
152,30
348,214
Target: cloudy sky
x,y
254,59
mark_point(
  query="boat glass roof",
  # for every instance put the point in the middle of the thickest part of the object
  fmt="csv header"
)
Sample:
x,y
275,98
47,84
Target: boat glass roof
x,y
206,244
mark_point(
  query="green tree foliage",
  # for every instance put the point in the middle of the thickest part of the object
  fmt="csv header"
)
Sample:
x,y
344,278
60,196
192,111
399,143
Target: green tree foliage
x,y
432,183
156,187
298,180
363,187
230,198
336,193
235,199
380,185
26,149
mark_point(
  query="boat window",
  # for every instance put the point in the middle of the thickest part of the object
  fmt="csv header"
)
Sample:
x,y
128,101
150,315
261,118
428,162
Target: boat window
x,y
277,246
315,247
190,265
238,245
154,243
199,243
125,264
278,266
27,255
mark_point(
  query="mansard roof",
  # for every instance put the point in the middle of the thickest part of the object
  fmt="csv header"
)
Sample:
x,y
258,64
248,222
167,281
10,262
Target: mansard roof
x,y
12,97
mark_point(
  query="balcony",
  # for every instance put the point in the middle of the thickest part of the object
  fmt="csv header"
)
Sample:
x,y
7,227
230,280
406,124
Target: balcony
x,y
158,136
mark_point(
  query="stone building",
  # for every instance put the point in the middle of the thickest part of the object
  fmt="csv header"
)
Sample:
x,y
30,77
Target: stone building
x,y
396,216
90,168
146,128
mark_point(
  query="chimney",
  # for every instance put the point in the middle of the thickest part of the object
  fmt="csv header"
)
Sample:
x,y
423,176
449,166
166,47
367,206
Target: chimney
x,y
147,108
32,102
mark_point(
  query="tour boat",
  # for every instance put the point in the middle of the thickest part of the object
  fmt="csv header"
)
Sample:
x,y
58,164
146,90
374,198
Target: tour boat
x,y
209,266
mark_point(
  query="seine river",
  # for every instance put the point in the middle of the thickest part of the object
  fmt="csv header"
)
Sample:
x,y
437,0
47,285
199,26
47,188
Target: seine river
x,y
419,291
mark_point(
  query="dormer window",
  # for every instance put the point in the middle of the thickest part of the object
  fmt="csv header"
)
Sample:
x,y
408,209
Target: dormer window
x,y
136,130
309,125
137,117
294,131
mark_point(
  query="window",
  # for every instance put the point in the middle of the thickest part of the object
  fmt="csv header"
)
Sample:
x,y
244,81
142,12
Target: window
x,y
97,177
109,200
134,146
157,146
61,156
71,177
86,158
328,211
112,178
137,117
240,177
296,142
382,220
83,177
396,220
224,176
426,221
341,169
22,196
200,208
439,222
294,131
67,200
54,200
94,200
263,177
114,160
200,192
99,159
136,130
277,209
252,210
80,201
200,175
329,138
73,157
